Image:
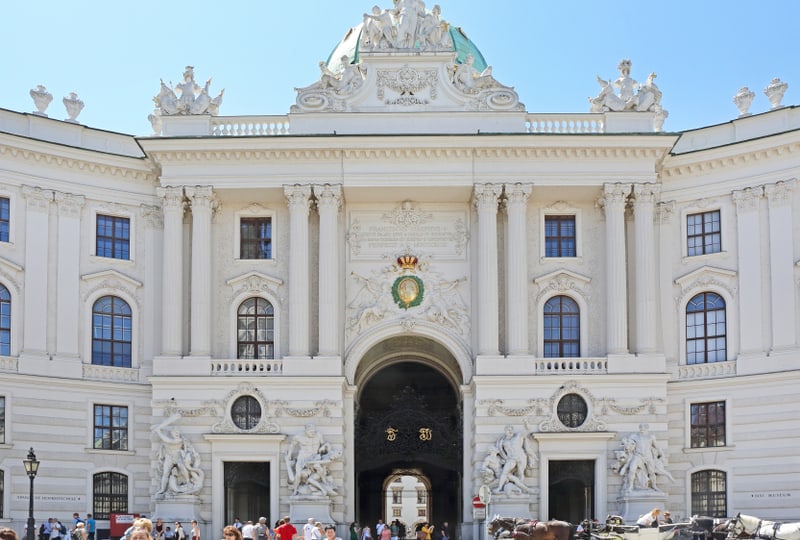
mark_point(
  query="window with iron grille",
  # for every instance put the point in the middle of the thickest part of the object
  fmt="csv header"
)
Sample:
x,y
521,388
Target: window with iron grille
x,y
709,493
255,330
109,494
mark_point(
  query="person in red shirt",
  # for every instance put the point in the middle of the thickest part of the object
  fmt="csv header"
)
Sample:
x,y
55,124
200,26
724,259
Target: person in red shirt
x,y
286,530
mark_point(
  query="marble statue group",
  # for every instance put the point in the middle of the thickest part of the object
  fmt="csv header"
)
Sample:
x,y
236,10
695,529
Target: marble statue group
x,y
641,461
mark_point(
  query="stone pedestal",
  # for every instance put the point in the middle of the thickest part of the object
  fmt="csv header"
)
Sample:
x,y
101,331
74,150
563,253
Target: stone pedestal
x,y
638,502
183,508
302,508
513,505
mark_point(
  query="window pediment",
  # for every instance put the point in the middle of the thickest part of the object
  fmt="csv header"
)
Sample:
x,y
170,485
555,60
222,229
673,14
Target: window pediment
x,y
705,277
562,281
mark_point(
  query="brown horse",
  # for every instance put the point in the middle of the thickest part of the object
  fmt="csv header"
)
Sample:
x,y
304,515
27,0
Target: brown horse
x,y
529,529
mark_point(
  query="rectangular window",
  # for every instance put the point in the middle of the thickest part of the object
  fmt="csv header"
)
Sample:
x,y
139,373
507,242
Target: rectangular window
x,y
559,236
110,427
2,420
708,424
5,218
421,512
397,496
113,237
397,512
255,238
2,493
420,497
703,233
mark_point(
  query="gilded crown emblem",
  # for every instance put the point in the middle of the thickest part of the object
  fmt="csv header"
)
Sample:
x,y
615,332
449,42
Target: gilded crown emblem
x,y
407,262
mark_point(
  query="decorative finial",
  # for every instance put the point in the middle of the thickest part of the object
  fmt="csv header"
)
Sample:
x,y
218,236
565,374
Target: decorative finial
x,y
742,100
74,107
774,92
41,98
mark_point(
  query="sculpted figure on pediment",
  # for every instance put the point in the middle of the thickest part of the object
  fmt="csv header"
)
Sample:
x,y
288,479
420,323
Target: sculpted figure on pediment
x,y
378,29
407,25
469,80
328,91
193,99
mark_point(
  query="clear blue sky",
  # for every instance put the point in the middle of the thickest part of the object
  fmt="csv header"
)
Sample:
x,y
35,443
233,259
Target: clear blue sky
x,y
113,52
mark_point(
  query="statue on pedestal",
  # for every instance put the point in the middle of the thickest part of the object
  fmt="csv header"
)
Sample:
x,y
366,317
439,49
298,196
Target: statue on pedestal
x,y
179,462
506,462
307,461
641,461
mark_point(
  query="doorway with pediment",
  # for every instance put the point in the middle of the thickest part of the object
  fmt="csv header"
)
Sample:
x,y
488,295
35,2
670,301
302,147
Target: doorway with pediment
x,y
408,435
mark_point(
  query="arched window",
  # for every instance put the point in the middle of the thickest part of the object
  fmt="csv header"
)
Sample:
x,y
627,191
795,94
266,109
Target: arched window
x,y
562,328
5,321
709,493
109,494
255,325
705,329
111,332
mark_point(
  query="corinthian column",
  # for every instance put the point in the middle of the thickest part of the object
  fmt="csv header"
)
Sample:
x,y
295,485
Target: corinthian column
x,y
781,267
298,200
203,203
329,200
645,253
614,199
517,269
486,197
172,279
750,299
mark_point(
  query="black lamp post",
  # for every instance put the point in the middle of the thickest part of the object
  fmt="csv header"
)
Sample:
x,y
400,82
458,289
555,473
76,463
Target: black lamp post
x,y
31,468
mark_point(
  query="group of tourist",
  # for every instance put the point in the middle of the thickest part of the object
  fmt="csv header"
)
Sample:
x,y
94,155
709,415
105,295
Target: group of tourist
x,y
283,530
654,518
397,530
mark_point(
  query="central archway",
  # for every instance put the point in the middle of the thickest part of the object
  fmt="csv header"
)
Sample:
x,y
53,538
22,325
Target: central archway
x,y
409,418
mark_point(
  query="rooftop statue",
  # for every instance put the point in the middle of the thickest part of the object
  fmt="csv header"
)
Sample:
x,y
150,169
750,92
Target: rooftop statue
x,y
774,92
74,106
467,79
407,25
630,96
743,99
193,99
41,98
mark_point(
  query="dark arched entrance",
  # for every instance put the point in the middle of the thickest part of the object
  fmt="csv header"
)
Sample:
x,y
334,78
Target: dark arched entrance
x,y
571,490
408,416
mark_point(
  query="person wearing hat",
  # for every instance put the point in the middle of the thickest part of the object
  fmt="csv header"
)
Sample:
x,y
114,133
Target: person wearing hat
x,y
667,519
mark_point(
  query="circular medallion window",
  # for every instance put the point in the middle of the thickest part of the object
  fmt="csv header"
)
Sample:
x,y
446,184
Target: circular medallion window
x,y
572,410
246,412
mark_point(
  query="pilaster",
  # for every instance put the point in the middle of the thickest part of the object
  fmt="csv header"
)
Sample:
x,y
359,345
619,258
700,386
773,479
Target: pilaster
x,y
517,327
329,201
37,237
645,266
68,274
750,297
781,265
152,220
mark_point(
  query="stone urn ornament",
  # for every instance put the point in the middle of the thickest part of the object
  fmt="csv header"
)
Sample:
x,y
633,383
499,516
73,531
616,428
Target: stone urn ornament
x,y
743,99
774,92
41,99
74,107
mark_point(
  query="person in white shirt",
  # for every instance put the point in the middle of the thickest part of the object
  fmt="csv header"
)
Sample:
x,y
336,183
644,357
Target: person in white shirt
x,y
650,519
247,530
308,529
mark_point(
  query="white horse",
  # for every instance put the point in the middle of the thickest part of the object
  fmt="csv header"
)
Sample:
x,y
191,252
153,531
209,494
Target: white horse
x,y
744,526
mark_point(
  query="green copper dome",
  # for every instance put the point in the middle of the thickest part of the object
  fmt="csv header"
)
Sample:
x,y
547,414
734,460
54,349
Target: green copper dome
x,y
350,45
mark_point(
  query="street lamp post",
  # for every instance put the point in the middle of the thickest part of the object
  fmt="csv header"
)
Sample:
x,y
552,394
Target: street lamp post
x,y
31,468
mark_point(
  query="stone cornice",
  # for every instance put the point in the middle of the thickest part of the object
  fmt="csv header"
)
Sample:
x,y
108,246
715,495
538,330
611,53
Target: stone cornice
x,y
415,152
733,161
83,165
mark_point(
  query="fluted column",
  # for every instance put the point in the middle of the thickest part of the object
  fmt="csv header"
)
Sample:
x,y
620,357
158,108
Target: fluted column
x,y
68,273
298,200
750,299
486,197
645,253
614,200
517,269
781,267
329,200
202,201
37,237
153,224
172,277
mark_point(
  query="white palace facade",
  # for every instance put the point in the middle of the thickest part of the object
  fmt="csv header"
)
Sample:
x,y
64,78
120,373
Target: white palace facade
x,y
407,275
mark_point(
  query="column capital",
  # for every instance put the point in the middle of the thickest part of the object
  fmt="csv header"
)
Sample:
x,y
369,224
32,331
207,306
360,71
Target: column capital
x,y
38,199
486,196
201,196
152,216
779,193
69,205
172,198
298,196
616,193
747,199
645,194
517,194
328,196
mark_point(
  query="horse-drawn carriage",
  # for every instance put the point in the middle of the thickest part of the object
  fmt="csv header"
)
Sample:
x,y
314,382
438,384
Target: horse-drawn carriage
x,y
502,528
